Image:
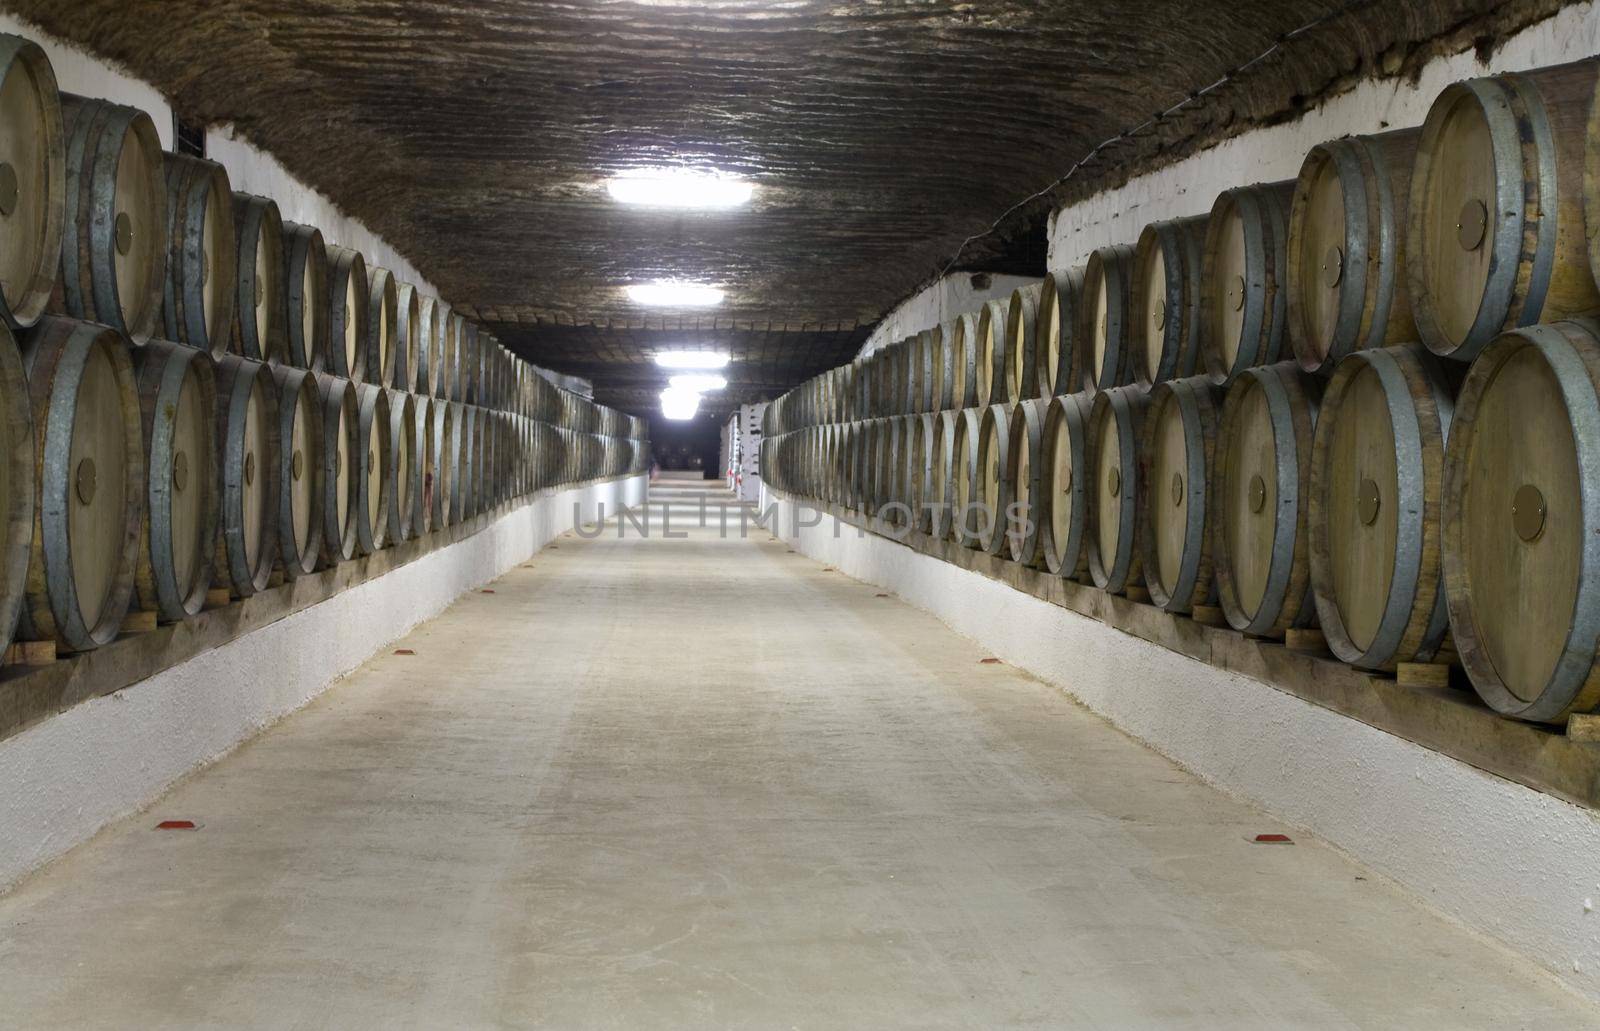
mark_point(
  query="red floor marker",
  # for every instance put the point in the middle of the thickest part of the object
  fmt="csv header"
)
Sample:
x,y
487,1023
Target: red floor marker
x,y
989,662
175,825
486,590
1273,839
404,651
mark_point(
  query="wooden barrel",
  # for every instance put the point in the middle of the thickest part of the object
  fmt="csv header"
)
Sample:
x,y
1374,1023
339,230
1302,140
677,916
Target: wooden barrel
x,y
383,307
467,363
1260,508
33,173
113,249
306,300
965,484
260,307
1495,226
1024,539
1116,427
922,373
1377,465
1055,337
405,468
939,369
1347,229
1022,360
994,488
920,477
341,440
1165,310
410,333
1106,335
88,467
1179,447
1063,451
301,522
428,459
1244,269
247,462
480,452
461,445
441,373
18,494
963,344
1520,547
374,470
990,354
444,461
346,356
177,404
430,336
200,292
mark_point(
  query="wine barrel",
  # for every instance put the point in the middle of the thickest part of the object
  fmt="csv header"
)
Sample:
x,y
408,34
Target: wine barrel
x,y
374,470
444,461
1055,337
478,479
1243,271
990,354
467,363
199,297
1262,473
1106,335
963,344
442,371
965,484
922,373
259,310
301,522
461,446
428,459
18,494
920,480
994,487
430,335
1165,310
1064,457
1022,360
88,466
1495,225
383,307
1179,445
1347,229
1023,474
405,468
113,249
939,367
1520,547
409,334
348,300
1116,426
177,404
1377,465
306,298
341,441
247,463
33,173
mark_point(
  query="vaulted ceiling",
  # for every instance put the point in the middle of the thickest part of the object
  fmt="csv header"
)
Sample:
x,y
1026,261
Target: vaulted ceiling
x,y
475,136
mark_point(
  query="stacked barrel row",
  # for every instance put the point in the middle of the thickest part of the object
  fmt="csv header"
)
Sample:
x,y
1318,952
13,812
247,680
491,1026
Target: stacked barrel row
x,y
1366,400
199,399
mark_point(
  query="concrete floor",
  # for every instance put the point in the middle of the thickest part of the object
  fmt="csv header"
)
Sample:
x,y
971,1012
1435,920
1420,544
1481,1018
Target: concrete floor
x,y
707,783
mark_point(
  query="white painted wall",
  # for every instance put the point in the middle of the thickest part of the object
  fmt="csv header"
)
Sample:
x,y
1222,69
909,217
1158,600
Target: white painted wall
x,y
940,302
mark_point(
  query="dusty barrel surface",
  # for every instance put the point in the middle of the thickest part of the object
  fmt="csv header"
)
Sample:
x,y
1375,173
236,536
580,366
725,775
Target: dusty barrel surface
x,y
405,468
33,174
461,444
374,479
467,364
921,480
1377,469
990,354
1055,335
444,460
199,295
1165,309
300,468
88,467
1260,505
247,463
411,332
305,280
260,307
341,439
1495,226
428,463
1024,538
994,493
1180,434
177,404
1347,227
383,317
1522,521
963,478
346,356
1063,479
441,374
1106,335
1244,268
114,250
18,491
430,338
963,344
1022,360
1115,424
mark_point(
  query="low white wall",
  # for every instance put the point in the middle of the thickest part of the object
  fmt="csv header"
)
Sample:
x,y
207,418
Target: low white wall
x,y
69,776
939,302
1499,858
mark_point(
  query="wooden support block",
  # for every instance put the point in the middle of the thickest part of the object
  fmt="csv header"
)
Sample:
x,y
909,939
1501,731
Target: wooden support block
x,y
1309,641
137,622
1138,594
276,579
30,653
1209,615
218,597
1422,674
1584,726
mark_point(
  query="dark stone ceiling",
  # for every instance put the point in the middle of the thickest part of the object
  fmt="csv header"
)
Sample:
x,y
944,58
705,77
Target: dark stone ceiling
x,y
880,133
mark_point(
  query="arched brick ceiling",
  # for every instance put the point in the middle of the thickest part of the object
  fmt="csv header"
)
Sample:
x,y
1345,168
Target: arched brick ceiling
x,y
474,135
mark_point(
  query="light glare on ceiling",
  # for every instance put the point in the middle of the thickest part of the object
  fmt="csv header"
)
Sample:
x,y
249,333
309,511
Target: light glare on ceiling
x,y
679,188
674,295
679,405
692,359
699,382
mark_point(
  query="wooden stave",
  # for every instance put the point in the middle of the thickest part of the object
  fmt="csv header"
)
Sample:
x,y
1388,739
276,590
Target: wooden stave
x,y
340,407
21,493
1067,559
1376,310
293,386
442,372
989,354
373,463
1109,344
993,468
1023,537
1264,303
193,184
258,226
963,476
348,303
1286,603
1557,284
411,332
1055,334
86,287
919,483
383,318
303,247
467,363
964,361
1200,404
26,57
1415,618
1181,242
1021,361
160,368
238,468
403,469
430,333
461,445
51,610
1124,407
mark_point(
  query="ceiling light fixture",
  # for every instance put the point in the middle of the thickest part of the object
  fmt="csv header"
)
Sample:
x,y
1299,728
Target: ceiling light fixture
x,y
662,294
679,405
700,382
693,360
679,188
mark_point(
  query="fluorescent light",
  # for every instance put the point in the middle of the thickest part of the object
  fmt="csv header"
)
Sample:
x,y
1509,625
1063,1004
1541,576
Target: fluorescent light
x,y
700,382
674,295
692,359
678,404
679,188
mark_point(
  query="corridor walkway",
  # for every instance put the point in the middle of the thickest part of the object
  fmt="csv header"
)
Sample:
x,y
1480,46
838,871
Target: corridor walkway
x,y
708,783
